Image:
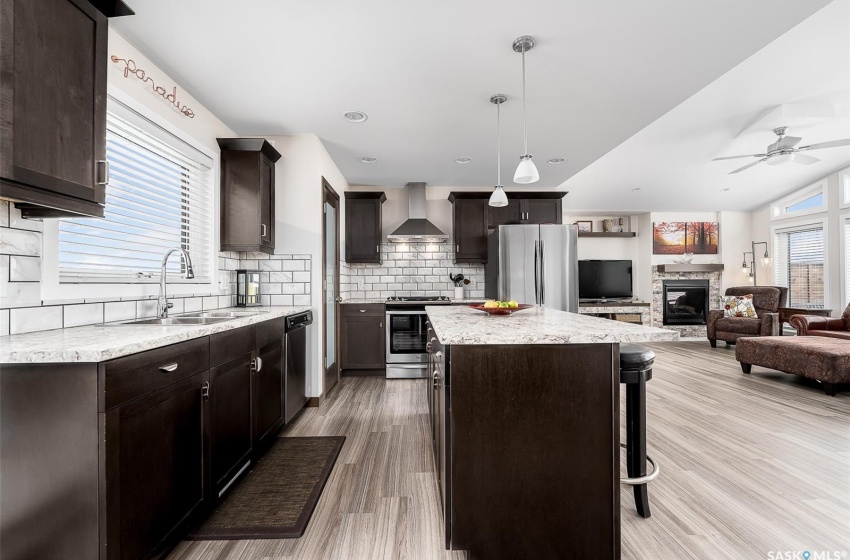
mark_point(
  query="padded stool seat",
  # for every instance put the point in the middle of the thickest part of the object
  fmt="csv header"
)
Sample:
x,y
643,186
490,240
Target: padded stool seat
x,y
635,356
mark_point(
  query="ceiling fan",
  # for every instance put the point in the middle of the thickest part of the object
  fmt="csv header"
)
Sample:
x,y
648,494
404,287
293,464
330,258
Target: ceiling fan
x,y
783,151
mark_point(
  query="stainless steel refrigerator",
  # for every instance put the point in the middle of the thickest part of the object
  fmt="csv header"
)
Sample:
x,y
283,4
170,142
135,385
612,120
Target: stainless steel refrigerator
x,y
533,264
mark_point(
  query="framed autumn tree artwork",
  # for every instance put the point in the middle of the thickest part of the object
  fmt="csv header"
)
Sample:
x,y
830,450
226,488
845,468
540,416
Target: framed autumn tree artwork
x,y
678,238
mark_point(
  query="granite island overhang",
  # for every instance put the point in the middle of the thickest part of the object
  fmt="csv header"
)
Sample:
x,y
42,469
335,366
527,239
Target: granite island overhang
x,y
525,419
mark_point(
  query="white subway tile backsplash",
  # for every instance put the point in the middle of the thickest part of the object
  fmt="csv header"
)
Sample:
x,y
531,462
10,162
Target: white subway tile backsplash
x,y
31,319
24,269
146,308
193,304
18,222
281,299
210,302
4,213
20,242
301,300
85,314
301,276
119,311
4,317
19,294
270,265
278,277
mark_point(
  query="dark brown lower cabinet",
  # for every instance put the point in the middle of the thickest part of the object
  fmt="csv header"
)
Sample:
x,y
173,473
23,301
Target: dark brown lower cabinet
x,y
154,460
268,393
230,420
362,337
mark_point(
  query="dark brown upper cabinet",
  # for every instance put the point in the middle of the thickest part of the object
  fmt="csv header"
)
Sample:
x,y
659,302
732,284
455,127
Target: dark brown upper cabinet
x,y
247,194
53,104
363,226
473,217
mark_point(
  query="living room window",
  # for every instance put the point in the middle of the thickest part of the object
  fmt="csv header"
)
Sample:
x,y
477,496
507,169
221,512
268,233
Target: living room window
x,y
800,265
846,252
810,200
844,187
159,197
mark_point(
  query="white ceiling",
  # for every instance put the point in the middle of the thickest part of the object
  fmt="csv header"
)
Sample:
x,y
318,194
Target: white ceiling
x,y
423,70
670,160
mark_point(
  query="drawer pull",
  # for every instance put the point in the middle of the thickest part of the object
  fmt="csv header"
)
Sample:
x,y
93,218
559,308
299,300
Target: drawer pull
x,y
257,364
169,367
362,311
205,391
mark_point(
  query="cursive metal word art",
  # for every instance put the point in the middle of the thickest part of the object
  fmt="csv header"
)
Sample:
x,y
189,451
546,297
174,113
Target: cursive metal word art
x,y
131,68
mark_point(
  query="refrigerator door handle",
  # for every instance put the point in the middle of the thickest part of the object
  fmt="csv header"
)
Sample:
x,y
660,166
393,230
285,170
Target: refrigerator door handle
x,y
542,275
536,276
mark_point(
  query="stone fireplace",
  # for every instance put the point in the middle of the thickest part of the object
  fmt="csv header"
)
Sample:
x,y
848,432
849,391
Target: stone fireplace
x,y
684,302
682,296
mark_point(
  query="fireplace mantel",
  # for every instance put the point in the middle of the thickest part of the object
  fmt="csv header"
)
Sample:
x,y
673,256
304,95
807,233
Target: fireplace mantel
x,y
689,267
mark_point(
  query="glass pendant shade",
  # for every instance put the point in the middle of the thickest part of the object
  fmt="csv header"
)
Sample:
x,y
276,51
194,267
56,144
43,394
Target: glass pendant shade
x,y
498,198
526,171
766,261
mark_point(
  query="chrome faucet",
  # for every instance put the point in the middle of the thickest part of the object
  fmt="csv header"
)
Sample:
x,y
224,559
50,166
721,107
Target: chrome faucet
x,y
162,302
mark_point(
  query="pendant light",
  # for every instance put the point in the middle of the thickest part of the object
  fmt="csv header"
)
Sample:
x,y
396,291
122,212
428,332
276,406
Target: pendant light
x,y
498,198
526,171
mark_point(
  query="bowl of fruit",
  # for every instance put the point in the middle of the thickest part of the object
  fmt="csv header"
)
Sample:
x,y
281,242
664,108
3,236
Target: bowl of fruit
x,y
501,307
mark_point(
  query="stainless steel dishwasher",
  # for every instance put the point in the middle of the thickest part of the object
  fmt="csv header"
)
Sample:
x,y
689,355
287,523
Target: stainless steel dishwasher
x,y
295,390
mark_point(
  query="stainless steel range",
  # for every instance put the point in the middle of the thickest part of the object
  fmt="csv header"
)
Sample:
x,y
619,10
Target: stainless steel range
x,y
406,336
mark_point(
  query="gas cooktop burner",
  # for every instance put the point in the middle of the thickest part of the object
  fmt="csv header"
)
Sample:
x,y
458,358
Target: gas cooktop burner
x,y
418,299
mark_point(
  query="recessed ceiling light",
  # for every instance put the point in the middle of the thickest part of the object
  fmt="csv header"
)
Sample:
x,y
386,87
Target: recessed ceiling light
x,y
463,160
556,160
636,189
368,159
727,189
356,116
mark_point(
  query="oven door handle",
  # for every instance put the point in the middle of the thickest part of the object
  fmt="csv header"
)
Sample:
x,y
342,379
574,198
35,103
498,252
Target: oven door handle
x,y
405,313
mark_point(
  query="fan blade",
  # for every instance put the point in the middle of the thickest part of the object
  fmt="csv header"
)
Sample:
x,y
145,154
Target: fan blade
x,y
748,166
822,145
738,157
804,159
789,141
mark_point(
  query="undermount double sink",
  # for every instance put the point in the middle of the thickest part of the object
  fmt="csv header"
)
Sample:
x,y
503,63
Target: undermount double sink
x,y
198,318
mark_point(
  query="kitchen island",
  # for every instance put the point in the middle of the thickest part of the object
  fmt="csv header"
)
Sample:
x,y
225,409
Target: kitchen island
x,y
525,422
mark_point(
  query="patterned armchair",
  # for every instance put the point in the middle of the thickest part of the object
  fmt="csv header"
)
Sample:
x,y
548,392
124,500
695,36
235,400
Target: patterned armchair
x,y
766,299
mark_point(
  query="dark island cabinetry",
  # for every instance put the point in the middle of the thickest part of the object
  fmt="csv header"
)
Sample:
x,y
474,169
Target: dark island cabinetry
x,y
53,104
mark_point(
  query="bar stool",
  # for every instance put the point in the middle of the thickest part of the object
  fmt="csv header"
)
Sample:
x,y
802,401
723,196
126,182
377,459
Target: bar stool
x,y
635,370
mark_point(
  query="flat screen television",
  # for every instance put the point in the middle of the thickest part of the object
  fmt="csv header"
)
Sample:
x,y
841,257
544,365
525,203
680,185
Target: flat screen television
x,y
600,279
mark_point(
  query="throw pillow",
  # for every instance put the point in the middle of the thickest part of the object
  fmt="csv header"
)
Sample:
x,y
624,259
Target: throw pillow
x,y
739,306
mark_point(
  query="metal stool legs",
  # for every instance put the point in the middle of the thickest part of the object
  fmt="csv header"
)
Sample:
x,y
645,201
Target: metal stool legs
x,y
636,441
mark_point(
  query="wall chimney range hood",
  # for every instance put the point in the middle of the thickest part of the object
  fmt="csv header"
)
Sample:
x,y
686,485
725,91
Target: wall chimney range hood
x,y
417,228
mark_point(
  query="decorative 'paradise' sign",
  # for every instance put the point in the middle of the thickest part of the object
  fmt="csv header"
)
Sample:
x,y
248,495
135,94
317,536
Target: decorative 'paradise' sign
x,y
131,68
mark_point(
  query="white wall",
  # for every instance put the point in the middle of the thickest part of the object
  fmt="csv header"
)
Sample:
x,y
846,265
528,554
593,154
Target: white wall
x,y
762,225
298,223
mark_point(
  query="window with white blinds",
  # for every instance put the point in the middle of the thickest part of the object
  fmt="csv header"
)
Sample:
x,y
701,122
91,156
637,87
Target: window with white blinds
x,y
846,239
159,197
800,267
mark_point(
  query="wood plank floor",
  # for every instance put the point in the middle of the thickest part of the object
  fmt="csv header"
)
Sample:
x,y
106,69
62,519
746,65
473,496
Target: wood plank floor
x,y
750,464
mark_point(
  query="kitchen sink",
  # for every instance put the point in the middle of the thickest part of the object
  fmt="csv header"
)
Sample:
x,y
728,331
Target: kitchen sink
x,y
221,314
172,321
196,318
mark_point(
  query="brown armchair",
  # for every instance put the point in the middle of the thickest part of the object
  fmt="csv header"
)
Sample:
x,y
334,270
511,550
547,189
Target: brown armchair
x,y
810,325
766,299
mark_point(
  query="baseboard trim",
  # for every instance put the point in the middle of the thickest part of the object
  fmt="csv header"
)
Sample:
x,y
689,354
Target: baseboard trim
x,y
364,372
314,402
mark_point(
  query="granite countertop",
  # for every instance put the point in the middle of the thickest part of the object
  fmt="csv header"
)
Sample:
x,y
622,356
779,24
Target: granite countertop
x,y
354,301
98,343
461,325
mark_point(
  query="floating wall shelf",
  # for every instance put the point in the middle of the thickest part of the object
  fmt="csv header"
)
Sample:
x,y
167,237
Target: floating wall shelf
x,y
689,267
607,234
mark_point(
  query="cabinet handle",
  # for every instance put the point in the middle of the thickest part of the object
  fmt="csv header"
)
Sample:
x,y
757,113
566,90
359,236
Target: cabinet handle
x,y
381,325
262,230
104,165
436,379
169,368
205,391
362,311
377,248
457,248
257,364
